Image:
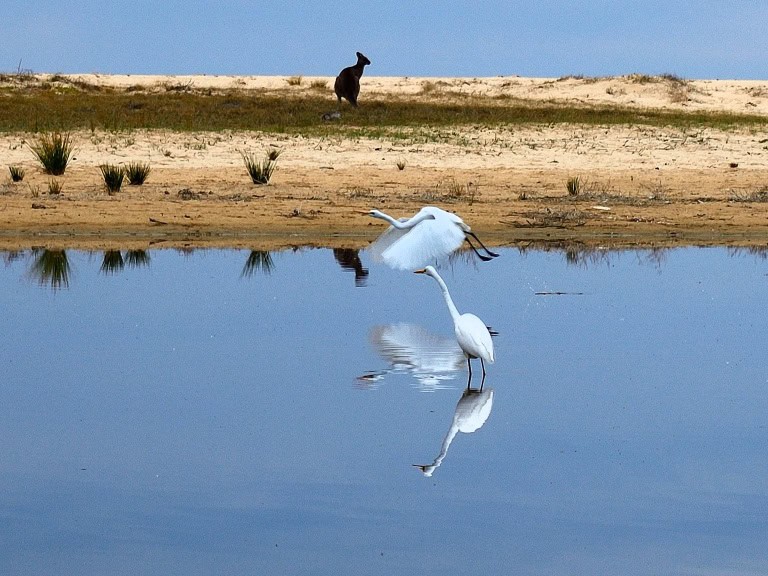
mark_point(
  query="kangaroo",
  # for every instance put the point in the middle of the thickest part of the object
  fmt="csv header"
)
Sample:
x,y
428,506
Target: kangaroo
x,y
347,83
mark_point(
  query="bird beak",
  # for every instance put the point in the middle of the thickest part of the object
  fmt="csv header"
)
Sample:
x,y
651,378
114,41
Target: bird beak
x,y
422,271
364,212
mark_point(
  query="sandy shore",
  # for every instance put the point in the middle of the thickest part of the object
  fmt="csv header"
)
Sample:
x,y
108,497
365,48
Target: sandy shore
x,y
639,184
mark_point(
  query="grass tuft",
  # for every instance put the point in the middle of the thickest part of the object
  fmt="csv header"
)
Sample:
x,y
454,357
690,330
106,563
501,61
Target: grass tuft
x,y
113,177
55,187
137,173
260,171
53,151
574,185
17,173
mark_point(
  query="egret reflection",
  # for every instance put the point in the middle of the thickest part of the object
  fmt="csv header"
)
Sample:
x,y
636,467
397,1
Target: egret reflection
x,y
472,411
409,348
50,268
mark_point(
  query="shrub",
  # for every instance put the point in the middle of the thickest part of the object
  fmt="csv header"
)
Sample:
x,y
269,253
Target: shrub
x,y
259,171
53,151
137,173
17,173
113,177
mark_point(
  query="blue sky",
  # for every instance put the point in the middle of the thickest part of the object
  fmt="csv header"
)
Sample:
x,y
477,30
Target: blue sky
x,y
693,39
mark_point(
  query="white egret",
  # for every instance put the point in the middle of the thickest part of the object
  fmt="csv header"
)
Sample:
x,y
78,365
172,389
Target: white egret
x,y
472,334
431,234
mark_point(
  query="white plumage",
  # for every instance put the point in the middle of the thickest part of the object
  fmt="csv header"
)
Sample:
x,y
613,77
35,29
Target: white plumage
x,y
428,236
472,334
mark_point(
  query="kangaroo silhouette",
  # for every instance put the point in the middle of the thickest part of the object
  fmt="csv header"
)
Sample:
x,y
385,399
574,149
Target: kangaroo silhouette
x,y
347,83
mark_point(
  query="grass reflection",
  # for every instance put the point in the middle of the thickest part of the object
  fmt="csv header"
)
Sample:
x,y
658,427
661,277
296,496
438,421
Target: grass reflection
x,y
50,268
258,260
112,262
137,259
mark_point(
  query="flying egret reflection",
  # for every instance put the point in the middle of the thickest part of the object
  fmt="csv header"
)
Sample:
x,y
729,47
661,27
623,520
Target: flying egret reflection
x,y
425,238
472,411
410,348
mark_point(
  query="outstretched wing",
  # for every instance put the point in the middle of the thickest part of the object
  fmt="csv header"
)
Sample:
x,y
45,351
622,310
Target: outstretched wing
x,y
410,249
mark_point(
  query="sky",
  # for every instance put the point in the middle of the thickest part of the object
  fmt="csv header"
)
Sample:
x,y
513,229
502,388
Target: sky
x,y
476,38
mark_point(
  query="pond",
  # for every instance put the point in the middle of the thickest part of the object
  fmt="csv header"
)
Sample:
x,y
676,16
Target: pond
x,y
235,412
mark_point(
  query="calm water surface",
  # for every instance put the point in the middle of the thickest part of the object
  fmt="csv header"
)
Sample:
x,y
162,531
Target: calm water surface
x,y
227,412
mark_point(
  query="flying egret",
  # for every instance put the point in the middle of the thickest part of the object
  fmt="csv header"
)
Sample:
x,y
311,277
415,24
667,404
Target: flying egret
x,y
472,334
431,234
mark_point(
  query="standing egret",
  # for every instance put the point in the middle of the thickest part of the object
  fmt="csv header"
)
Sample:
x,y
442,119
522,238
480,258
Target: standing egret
x,y
472,334
432,233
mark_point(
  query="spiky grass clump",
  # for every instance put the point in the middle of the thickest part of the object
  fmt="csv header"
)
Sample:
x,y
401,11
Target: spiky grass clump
x,y
113,177
55,187
17,173
53,151
137,173
574,185
260,171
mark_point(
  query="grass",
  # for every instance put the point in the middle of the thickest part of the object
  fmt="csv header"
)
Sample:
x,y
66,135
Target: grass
x,y
53,151
574,185
113,177
17,173
759,195
55,187
33,108
137,173
260,171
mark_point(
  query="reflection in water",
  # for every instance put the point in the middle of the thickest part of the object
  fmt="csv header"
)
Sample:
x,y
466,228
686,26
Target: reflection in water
x,y
115,261
50,268
471,413
410,348
349,259
137,258
112,262
258,260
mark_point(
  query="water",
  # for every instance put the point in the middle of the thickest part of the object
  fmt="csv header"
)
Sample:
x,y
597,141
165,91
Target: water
x,y
227,412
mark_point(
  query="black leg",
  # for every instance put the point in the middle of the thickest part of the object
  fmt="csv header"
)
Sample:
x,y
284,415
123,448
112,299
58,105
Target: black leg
x,y
482,382
491,254
469,379
482,257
